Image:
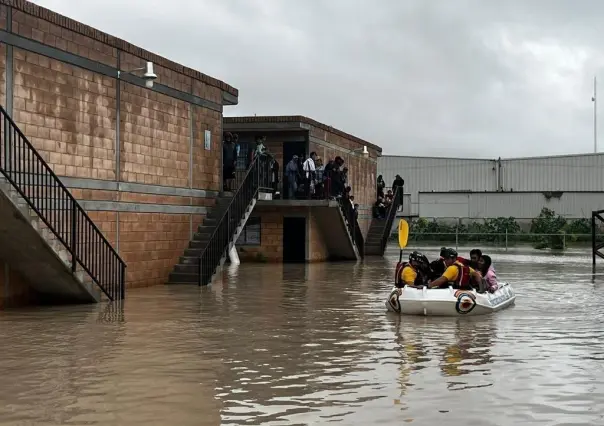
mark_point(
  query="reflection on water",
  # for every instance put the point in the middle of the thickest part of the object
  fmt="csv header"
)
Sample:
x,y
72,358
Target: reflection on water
x,y
274,344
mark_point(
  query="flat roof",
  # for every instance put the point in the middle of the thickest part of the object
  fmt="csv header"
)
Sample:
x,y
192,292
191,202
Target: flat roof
x,y
88,31
298,119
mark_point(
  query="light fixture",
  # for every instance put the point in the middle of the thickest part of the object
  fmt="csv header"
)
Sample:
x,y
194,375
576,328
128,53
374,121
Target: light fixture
x,y
149,76
363,151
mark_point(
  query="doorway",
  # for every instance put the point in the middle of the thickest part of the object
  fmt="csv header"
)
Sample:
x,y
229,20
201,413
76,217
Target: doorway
x,y
289,150
294,239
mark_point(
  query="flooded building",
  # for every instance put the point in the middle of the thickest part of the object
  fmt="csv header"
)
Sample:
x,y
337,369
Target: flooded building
x,y
111,159
305,230
571,185
111,171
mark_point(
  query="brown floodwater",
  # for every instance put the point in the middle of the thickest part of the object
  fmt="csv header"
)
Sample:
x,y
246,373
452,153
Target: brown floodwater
x,y
312,345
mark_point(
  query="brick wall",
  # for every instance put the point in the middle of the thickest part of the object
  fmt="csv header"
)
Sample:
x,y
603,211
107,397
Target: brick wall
x,y
67,113
271,238
155,138
361,171
70,115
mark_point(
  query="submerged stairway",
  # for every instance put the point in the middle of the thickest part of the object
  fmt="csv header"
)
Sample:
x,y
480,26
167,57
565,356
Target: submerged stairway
x,y
220,229
45,235
380,229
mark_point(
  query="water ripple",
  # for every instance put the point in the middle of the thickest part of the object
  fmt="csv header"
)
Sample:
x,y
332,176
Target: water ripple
x,y
297,345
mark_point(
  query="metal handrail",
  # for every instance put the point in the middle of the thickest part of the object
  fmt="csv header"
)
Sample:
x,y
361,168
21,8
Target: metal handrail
x,y
353,225
256,178
390,217
40,187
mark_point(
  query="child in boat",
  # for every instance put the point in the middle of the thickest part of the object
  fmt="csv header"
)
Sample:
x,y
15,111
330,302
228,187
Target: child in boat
x,y
488,273
456,273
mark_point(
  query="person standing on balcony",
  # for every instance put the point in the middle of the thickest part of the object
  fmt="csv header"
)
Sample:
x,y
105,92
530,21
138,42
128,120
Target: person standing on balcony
x,y
398,182
229,160
309,173
291,173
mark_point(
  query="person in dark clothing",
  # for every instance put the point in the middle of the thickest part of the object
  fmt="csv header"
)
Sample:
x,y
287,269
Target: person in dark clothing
x,y
379,209
229,159
380,186
437,267
275,179
328,177
398,182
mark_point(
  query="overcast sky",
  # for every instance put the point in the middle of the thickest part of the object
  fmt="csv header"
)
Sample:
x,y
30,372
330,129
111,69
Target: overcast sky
x,y
417,77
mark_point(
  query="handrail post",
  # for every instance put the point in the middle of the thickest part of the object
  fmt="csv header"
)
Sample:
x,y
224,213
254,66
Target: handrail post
x,y
73,237
123,282
593,239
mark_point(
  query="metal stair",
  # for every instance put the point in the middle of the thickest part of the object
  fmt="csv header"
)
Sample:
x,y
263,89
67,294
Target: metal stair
x,y
220,229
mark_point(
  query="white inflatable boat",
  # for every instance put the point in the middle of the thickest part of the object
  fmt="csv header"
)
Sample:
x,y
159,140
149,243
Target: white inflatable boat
x,y
448,301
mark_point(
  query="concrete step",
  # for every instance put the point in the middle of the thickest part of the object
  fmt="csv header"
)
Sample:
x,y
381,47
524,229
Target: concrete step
x,y
212,222
193,252
198,244
183,278
188,260
187,268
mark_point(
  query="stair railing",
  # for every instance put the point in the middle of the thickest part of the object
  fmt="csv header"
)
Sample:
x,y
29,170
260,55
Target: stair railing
x,y
258,177
34,180
353,225
396,203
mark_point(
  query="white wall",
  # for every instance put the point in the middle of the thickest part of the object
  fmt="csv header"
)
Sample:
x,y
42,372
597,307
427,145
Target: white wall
x,y
438,174
561,173
520,205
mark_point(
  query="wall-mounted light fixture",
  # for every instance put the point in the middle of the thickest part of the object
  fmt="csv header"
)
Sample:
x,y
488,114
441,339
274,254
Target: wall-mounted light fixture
x,y
149,76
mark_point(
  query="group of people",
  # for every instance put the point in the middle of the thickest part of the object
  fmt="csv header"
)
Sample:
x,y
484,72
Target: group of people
x,y
231,153
448,270
385,200
313,179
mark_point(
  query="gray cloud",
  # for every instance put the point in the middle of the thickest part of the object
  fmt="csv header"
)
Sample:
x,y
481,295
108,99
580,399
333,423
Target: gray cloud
x,y
418,77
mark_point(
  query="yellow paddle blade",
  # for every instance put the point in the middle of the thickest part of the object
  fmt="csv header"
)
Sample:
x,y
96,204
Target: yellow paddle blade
x,y
403,233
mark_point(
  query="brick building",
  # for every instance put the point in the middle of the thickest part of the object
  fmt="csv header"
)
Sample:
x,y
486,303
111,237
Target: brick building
x,y
286,136
139,169
144,163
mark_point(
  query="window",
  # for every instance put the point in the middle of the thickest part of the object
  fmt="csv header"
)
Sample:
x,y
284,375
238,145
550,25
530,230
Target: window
x,y
250,236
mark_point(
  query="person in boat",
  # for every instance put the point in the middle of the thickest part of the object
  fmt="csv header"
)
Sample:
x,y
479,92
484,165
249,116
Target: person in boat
x,y
413,273
456,274
472,262
437,267
485,265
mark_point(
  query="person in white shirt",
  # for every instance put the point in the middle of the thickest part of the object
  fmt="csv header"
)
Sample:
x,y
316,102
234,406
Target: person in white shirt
x,y
309,173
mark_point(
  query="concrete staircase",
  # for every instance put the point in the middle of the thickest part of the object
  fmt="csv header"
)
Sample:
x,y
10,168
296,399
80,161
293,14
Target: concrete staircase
x,y
34,251
187,269
375,235
336,233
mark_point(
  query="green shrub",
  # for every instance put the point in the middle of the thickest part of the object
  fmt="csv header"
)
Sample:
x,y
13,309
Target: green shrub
x,y
548,230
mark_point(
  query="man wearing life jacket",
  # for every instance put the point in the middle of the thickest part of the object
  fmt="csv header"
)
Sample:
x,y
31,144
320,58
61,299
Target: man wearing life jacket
x,y
456,273
412,273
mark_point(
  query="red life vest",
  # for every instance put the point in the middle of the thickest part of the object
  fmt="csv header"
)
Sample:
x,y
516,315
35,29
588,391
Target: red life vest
x,y
398,280
463,276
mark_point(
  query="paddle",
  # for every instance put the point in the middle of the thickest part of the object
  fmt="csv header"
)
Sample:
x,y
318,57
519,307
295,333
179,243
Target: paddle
x,y
403,237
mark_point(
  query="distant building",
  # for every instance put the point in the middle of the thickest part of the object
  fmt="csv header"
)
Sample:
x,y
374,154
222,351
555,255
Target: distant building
x,y
571,185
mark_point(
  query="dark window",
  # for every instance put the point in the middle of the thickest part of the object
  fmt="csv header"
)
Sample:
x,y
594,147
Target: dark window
x,y
250,236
